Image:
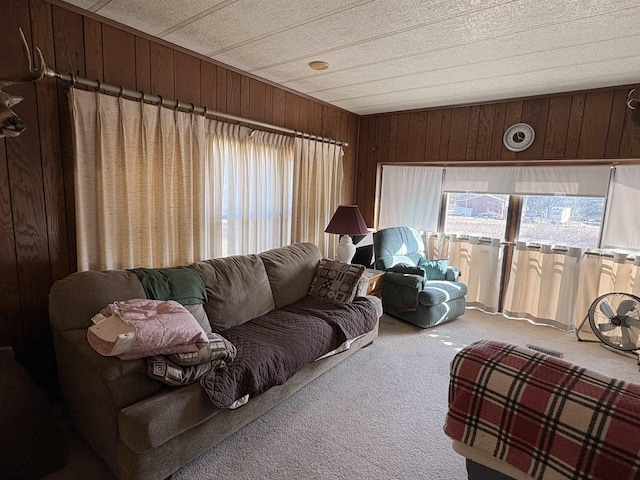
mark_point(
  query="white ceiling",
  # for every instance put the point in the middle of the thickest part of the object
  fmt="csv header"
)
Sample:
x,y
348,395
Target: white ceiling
x,y
388,55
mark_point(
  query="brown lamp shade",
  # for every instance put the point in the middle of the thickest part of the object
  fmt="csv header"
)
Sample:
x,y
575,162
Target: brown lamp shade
x,y
347,221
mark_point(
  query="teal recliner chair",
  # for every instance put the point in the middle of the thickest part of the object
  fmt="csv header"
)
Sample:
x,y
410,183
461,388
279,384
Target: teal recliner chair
x,y
419,291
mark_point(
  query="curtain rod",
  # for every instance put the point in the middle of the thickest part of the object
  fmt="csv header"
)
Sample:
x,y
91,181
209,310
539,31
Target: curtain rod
x,y
178,105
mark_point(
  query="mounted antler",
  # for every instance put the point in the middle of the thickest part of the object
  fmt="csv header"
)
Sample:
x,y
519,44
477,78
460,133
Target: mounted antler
x,y
634,105
10,123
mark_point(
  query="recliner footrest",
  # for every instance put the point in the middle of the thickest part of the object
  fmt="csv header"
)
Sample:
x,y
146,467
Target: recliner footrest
x,y
436,292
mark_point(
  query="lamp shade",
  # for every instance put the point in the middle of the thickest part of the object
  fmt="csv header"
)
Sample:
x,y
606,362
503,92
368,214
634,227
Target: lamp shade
x,y
347,220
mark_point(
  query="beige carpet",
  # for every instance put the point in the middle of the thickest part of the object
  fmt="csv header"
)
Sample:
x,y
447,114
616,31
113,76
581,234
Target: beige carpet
x,y
378,415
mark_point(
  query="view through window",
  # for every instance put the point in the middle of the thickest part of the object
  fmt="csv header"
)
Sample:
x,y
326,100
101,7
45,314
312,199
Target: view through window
x,y
479,214
548,219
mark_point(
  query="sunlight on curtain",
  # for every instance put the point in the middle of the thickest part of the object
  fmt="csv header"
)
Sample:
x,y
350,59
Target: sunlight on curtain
x,y
600,275
481,269
436,245
139,188
317,192
543,285
249,189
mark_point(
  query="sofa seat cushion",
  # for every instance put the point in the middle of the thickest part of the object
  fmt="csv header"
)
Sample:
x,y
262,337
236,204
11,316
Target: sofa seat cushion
x,y
437,292
271,348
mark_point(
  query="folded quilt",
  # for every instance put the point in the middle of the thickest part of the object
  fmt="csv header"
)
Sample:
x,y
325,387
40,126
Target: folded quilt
x,y
185,368
182,284
542,415
273,347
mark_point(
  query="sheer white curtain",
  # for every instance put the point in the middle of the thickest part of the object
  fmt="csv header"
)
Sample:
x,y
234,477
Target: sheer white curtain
x,y
318,177
249,190
543,285
481,269
410,196
601,274
139,184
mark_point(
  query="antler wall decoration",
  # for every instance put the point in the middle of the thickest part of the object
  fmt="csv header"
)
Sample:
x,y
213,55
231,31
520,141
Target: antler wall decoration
x,y
10,124
634,105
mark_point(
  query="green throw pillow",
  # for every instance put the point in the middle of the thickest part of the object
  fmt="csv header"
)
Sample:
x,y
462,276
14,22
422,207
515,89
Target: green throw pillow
x,y
434,269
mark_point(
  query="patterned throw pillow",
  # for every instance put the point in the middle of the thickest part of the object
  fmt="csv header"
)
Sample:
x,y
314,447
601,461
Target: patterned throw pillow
x,y
434,269
336,280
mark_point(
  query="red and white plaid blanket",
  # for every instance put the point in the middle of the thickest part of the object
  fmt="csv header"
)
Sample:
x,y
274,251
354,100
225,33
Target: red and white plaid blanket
x,y
542,415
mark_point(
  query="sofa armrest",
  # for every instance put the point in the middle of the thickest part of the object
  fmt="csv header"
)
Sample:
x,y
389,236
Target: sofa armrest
x,y
415,282
453,274
505,398
126,381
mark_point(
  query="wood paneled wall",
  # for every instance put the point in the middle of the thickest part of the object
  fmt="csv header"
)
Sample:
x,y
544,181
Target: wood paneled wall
x,y
582,125
37,224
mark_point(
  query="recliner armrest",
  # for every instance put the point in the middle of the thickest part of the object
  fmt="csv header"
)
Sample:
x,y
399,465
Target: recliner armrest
x,y
453,274
404,279
410,269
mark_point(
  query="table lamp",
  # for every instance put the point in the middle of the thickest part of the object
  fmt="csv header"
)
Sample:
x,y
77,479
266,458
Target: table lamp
x,y
346,221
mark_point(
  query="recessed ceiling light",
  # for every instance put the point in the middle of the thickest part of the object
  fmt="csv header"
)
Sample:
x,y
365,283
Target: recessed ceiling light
x,y
319,65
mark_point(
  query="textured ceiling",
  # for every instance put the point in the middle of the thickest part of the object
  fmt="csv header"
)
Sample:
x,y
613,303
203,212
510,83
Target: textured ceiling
x,y
388,55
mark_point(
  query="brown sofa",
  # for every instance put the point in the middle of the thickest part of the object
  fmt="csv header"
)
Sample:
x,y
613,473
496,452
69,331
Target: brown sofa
x,y
140,427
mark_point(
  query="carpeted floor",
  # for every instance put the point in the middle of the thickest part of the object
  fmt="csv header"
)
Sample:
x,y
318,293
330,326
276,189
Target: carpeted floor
x,y
377,415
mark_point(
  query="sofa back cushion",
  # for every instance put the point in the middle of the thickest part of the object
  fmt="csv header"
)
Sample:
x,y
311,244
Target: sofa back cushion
x,y
238,290
78,297
290,270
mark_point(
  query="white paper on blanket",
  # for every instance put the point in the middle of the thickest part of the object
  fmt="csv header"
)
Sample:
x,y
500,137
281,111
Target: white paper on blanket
x,y
142,328
114,330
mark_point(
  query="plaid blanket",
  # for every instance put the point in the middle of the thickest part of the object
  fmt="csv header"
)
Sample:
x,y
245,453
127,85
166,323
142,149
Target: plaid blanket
x,y
542,415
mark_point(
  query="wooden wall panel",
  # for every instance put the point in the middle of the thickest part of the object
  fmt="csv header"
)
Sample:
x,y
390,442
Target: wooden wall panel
x,y
187,78
221,89
498,131
143,64
571,126
208,84
555,139
119,63
485,131
10,313
513,114
93,49
434,130
535,112
27,200
574,128
279,108
37,216
417,136
51,148
162,70
472,132
595,124
459,133
234,83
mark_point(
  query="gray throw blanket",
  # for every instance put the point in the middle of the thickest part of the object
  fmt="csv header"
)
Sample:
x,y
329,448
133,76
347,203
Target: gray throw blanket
x,y
182,284
271,348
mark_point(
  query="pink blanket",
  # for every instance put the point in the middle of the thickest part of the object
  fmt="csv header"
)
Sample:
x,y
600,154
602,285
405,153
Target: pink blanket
x,y
149,327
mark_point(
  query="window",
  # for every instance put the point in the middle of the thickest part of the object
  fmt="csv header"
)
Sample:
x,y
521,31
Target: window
x,y
548,219
571,221
479,214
